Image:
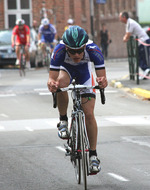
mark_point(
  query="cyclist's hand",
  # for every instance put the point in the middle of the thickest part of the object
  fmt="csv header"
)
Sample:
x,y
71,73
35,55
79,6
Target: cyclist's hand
x,y
39,42
52,85
102,82
28,44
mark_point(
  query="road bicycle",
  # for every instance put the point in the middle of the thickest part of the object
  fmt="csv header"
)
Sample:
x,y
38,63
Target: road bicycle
x,y
47,56
77,146
22,61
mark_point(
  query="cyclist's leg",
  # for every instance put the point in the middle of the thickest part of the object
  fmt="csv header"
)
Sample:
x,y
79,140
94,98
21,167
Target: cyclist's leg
x,y
62,102
91,124
27,55
18,53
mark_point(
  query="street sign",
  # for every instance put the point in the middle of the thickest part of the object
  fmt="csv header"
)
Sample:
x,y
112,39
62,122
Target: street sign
x,y
101,1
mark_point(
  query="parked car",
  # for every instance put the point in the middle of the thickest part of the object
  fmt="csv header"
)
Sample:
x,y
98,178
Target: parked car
x,y
8,55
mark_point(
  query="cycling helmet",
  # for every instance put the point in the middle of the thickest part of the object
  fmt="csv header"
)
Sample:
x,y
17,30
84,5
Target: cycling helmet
x,y
20,22
45,21
70,21
75,37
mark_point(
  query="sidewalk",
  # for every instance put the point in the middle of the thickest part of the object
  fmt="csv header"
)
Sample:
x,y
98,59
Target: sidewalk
x,y
122,80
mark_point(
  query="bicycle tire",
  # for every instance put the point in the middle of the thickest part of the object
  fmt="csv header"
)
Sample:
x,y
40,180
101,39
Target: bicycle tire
x,y
75,157
83,150
22,66
48,60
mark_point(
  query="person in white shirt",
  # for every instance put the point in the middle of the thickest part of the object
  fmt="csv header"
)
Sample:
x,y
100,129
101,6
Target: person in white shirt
x,y
134,29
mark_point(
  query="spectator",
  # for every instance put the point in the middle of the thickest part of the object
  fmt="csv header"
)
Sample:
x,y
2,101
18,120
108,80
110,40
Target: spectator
x,y
70,22
35,26
104,40
134,29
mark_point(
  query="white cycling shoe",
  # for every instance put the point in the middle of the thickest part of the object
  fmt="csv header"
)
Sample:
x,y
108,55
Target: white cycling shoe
x,y
63,129
94,164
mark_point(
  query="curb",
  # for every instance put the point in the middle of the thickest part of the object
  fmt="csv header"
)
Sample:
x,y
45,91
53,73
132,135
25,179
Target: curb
x,y
141,92
145,94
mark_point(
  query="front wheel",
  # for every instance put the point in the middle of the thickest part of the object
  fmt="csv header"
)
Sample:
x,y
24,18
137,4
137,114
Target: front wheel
x,y
22,65
83,150
75,153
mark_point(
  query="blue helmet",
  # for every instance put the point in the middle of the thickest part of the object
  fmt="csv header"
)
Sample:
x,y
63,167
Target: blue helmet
x,y
75,37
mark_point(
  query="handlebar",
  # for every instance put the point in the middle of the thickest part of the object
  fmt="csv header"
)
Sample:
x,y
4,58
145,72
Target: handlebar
x,y
78,87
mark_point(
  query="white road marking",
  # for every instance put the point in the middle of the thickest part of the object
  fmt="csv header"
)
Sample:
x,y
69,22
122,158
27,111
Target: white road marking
x,y
29,129
2,128
118,177
111,91
134,139
45,93
6,95
130,120
61,148
3,115
51,123
40,89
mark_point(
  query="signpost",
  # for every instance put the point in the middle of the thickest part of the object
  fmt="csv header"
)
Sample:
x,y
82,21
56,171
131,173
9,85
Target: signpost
x,y
101,1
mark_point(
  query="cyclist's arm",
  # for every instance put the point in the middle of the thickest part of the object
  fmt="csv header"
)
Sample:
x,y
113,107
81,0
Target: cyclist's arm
x,y
13,39
28,38
101,78
52,81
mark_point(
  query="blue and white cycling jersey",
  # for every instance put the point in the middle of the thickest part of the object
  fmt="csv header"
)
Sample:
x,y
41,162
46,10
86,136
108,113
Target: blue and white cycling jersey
x,y
47,35
82,71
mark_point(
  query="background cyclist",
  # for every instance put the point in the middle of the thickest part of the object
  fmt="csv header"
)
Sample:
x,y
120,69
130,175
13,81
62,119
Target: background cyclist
x,y
47,34
21,36
72,58
70,22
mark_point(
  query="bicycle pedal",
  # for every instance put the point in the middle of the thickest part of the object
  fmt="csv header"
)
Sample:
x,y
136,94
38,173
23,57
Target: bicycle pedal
x,y
67,154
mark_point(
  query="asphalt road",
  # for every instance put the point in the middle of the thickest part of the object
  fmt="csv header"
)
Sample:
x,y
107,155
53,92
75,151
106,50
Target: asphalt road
x,y
32,156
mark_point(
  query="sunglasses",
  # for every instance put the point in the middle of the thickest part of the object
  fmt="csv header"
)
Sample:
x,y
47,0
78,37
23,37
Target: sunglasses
x,y
73,51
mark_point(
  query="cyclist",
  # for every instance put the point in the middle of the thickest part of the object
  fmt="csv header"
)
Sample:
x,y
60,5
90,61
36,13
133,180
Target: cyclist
x,y
47,33
71,59
70,22
21,36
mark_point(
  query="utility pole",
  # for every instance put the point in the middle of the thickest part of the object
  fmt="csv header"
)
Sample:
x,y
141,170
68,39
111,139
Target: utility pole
x,y
92,18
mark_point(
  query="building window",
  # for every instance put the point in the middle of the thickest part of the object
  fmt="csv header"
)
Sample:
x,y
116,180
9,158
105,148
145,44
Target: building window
x,y
12,4
15,9
25,4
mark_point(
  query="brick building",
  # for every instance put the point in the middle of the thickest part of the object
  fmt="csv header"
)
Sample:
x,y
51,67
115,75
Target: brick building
x,y
58,11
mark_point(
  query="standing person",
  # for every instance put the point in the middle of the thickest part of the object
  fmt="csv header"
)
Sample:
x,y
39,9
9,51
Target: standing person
x,y
47,33
35,26
104,40
70,22
21,36
134,29
71,59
